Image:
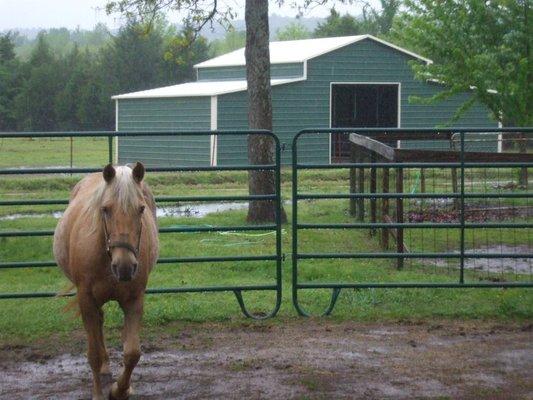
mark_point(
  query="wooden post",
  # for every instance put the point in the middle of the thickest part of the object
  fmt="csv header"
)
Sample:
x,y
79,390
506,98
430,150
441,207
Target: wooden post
x,y
399,215
455,188
385,210
373,187
422,180
353,180
361,187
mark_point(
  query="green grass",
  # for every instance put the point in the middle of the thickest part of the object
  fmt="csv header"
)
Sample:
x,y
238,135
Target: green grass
x,y
35,318
47,152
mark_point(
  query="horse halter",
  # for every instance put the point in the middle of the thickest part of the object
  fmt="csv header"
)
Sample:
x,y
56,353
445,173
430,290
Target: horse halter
x,y
124,245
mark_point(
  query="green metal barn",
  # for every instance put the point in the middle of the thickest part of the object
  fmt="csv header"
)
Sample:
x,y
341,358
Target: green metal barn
x,y
358,81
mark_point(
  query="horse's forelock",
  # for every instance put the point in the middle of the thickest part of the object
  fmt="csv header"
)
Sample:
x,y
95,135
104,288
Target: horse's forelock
x,y
122,192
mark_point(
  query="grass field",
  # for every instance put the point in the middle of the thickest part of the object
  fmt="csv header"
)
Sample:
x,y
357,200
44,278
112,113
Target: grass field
x,y
33,318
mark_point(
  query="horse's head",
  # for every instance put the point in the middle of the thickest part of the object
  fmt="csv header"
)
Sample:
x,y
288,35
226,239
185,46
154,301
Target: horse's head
x,y
122,209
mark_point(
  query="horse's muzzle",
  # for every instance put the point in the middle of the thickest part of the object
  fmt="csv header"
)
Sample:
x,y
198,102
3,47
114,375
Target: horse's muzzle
x,y
124,272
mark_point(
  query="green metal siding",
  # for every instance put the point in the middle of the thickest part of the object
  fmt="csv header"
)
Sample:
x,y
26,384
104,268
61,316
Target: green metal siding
x,y
178,114
306,104
290,70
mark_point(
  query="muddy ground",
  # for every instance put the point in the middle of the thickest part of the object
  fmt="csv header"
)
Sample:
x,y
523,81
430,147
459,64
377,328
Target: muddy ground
x,y
296,359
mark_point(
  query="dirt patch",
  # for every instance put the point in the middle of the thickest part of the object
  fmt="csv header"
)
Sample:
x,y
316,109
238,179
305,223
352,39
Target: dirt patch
x,y
302,359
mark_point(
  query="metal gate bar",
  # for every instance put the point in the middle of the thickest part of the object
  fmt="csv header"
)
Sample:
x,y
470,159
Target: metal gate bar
x,y
236,289
396,133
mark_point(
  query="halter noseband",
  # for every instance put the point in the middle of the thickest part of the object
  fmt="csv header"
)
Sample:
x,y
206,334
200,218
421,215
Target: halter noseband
x,y
124,245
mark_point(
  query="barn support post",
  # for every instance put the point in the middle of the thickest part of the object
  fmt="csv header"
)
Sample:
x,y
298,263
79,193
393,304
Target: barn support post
x,y
399,216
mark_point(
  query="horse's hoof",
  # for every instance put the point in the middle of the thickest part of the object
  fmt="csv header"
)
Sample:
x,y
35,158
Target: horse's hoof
x,y
115,395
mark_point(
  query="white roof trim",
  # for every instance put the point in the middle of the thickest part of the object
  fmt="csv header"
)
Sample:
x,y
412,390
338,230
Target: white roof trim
x,y
294,51
198,89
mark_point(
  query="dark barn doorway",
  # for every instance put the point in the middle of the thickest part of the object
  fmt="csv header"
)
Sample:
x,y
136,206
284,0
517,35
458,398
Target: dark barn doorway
x,y
360,106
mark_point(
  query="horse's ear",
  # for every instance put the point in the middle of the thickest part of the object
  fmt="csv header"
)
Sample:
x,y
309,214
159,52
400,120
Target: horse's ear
x,y
138,172
109,173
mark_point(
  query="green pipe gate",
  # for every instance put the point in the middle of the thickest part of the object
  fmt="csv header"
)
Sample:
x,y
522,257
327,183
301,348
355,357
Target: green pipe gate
x,y
386,158
382,158
275,257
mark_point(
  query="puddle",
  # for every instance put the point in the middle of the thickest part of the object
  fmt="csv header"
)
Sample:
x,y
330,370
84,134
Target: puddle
x,y
199,210
492,265
13,217
185,210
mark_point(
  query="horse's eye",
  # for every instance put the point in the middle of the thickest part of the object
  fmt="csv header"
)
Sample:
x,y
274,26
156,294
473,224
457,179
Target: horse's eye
x,y
141,209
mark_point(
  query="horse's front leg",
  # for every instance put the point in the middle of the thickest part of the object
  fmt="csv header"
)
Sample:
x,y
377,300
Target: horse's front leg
x,y
91,315
132,347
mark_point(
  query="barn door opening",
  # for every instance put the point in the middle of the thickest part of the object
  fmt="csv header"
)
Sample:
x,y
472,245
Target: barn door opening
x,y
361,105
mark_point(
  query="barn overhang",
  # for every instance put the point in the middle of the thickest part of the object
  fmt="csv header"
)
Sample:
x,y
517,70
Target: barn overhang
x,y
198,89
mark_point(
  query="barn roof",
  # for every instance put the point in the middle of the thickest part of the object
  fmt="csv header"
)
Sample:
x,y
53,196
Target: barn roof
x,y
200,88
293,51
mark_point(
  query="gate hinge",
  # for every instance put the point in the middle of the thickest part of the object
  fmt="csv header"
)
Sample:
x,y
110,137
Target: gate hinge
x,y
283,257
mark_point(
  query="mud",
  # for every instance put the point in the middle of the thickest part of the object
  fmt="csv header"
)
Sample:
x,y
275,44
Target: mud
x,y
303,359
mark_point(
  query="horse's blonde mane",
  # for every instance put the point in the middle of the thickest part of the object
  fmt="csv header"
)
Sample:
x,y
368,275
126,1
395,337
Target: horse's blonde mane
x,y
122,192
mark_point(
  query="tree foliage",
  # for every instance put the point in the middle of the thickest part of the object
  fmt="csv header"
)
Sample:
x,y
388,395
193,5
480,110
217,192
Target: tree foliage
x,y
9,81
71,90
233,40
481,46
339,25
374,21
293,31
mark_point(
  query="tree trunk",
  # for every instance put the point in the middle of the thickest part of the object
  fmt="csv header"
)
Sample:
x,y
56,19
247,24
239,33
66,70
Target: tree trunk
x,y
261,148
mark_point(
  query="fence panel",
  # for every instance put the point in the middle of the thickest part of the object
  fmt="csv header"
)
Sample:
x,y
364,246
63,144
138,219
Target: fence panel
x,y
457,218
275,257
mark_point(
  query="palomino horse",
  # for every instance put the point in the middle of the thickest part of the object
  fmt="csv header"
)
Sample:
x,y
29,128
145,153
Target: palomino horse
x,y
106,244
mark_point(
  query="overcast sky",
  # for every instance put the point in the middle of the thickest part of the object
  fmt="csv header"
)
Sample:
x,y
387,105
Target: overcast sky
x,y
87,13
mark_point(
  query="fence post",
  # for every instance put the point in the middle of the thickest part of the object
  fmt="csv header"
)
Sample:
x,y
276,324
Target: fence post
x,y
373,188
399,215
361,187
353,180
385,209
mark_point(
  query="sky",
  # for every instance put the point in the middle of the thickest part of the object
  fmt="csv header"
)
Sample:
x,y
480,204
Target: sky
x,y
87,13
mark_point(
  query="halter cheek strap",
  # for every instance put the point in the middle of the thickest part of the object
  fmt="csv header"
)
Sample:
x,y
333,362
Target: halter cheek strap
x,y
124,245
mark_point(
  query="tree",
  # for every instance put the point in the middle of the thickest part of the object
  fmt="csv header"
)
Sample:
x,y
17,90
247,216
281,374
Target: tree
x,y
337,25
134,57
379,21
293,31
42,80
181,53
9,81
478,46
7,48
232,40
260,147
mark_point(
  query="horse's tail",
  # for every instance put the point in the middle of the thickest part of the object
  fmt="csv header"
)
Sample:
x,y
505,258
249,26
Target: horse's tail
x,y
72,305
